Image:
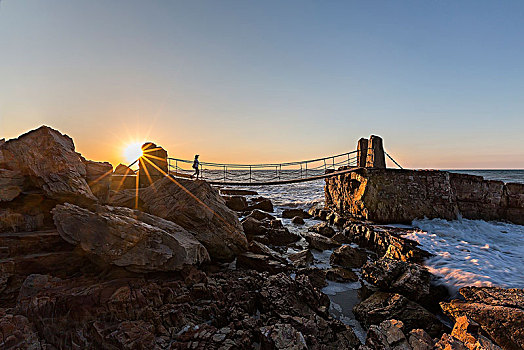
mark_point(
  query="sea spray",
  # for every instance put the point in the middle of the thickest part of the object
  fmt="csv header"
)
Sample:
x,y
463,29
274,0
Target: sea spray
x,y
473,252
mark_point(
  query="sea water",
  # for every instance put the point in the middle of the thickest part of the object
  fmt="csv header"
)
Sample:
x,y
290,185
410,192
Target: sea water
x,y
466,252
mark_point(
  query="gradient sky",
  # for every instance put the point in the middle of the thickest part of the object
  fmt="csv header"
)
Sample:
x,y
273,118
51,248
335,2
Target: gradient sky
x,y
257,81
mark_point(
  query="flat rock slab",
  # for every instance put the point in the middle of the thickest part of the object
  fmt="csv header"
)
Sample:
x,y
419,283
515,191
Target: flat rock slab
x,y
129,238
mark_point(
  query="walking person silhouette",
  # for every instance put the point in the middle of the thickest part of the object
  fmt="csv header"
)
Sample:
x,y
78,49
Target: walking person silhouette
x,y
196,165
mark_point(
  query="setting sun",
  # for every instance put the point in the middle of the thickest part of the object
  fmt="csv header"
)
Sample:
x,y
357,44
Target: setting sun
x,y
132,151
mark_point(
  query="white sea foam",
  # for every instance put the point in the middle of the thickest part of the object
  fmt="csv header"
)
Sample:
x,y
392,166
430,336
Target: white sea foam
x,y
473,252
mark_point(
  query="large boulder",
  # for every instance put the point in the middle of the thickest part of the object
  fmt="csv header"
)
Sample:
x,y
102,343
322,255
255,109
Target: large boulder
x,y
319,242
195,206
131,239
498,311
348,257
49,161
382,306
409,279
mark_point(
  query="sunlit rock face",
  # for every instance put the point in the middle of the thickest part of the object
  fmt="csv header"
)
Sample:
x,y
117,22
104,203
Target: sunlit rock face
x,y
498,311
401,196
40,169
129,238
195,206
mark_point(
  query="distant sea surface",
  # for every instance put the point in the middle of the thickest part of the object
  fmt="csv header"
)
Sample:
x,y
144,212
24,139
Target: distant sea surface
x,y
467,252
501,175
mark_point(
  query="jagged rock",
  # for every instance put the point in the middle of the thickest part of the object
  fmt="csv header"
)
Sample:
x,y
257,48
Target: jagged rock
x,y
259,262
420,340
323,228
297,220
319,242
303,258
291,213
387,336
379,240
17,332
237,192
316,276
127,238
253,226
261,203
448,342
468,332
282,336
236,203
281,236
48,159
272,232
222,310
348,257
498,311
339,274
198,208
260,215
383,306
409,279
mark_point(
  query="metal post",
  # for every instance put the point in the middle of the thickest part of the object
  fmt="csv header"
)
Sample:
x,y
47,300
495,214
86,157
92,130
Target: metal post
x,y
280,172
306,169
250,174
224,173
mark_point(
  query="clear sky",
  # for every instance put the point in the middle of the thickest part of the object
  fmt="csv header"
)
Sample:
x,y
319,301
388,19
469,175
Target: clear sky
x,y
256,81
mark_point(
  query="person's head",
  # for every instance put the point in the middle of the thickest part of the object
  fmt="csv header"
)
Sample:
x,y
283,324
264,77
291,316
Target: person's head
x,y
196,156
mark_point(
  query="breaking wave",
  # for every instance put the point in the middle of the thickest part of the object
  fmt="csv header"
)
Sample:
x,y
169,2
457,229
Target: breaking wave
x,y
473,252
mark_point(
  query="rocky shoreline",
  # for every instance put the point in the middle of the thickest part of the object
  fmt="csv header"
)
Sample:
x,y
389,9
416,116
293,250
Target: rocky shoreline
x,y
181,265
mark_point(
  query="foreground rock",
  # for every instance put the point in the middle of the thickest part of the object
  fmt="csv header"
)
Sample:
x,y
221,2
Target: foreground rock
x,y
498,311
195,206
129,238
49,160
154,313
41,169
383,306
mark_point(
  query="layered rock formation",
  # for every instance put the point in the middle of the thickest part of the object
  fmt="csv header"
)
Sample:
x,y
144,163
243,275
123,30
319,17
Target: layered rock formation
x,y
195,206
129,238
400,196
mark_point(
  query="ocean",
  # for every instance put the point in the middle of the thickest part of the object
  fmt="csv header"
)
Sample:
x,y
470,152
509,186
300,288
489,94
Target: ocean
x,y
466,252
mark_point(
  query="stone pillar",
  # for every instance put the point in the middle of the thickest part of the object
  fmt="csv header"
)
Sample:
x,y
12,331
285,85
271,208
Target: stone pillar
x,y
376,157
152,153
362,152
